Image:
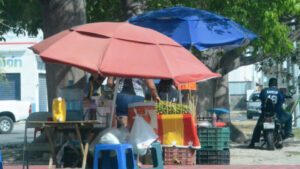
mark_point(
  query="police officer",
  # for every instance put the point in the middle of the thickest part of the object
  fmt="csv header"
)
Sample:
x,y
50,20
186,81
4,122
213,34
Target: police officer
x,y
277,98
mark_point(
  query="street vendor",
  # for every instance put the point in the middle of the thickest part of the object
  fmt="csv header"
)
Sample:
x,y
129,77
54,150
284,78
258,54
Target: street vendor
x,y
131,90
94,82
167,90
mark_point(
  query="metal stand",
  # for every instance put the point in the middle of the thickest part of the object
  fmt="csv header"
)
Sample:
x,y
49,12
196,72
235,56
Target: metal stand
x,y
113,107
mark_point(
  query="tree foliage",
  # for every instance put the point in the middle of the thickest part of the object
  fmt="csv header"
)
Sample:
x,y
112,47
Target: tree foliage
x,y
20,16
276,22
104,10
270,19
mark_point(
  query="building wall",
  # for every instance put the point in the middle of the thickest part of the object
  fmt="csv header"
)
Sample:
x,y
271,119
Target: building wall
x,y
16,57
238,94
23,62
243,73
241,80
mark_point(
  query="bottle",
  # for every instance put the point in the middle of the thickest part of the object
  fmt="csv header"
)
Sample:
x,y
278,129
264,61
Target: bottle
x,y
214,119
59,110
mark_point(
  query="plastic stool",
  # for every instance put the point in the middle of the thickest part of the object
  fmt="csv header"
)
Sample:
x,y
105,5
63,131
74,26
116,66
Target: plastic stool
x,y
1,165
156,154
124,160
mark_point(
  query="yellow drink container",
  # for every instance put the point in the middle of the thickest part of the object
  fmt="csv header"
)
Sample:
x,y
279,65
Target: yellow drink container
x,y
59,112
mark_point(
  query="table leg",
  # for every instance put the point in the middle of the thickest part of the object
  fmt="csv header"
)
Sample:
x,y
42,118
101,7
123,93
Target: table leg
x,y
86,149
52,146
79,138
25,154
51,166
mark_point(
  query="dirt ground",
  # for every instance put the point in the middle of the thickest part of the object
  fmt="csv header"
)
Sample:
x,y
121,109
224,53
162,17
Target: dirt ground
x,y
240,154
290,154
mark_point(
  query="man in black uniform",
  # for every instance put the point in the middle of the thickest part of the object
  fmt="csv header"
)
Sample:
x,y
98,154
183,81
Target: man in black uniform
x,y
277,98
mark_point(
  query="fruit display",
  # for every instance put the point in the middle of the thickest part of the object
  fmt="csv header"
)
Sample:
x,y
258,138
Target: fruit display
x,y
164,107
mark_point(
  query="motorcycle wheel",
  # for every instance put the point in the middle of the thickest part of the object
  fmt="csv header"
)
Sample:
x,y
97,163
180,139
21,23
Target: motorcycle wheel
x,y
278,140
270,140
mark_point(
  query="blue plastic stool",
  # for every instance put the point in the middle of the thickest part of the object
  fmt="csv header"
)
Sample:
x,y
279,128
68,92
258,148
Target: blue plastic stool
x,y
156,155
124,158
1,165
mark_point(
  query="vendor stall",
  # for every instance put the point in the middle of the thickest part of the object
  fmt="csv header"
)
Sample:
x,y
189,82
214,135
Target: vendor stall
x,y
122,50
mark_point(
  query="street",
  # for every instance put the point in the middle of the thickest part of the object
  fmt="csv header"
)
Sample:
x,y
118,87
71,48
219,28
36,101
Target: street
x,y
17,135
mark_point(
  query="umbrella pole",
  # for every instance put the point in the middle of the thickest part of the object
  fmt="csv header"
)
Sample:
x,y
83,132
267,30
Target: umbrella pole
x,y
113,106
180,96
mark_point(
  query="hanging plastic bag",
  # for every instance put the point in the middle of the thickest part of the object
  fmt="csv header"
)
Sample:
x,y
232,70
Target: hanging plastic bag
x,y
141,135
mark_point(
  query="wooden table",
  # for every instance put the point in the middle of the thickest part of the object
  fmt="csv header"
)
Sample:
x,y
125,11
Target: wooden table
x,y
52,129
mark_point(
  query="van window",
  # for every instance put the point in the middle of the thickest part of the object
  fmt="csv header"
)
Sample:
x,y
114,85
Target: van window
x,y
10,87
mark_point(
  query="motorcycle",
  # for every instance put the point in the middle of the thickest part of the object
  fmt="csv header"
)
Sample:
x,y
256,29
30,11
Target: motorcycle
x,y
272,130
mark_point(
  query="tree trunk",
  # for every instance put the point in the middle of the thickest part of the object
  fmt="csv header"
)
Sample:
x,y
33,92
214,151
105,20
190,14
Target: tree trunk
x,y
131,8
205,95
59,15
221,95
213,93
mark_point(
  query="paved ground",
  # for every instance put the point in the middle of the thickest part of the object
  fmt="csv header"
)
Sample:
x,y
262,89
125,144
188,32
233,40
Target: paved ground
x,y
199,167
17,135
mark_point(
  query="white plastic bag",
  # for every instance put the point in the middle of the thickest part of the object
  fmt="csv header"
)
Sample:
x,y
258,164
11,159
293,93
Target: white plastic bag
x,y
141,135
114,136
109,136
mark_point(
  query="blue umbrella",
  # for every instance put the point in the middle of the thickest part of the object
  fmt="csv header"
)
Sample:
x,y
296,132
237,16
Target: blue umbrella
x,y
193,27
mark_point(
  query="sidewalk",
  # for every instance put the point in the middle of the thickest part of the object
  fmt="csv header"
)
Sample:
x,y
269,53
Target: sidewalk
x,y
198,166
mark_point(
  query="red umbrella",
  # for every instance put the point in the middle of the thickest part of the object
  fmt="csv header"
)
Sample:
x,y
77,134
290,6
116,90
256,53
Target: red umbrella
x,y
123,50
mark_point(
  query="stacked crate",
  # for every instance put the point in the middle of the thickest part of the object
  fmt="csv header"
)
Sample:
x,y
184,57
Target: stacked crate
x,y
179,156
214,146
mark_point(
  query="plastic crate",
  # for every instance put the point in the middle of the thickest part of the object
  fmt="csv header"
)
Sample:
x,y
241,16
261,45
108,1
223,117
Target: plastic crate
x,y
214,138
214,132
214,145
213,157
179,156
213,162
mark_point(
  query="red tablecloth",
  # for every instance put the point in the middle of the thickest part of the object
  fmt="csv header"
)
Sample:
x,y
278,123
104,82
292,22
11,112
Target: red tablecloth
x,y
178,130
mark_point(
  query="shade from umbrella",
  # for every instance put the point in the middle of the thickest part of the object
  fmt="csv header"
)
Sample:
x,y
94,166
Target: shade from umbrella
x,y
194,27
123,50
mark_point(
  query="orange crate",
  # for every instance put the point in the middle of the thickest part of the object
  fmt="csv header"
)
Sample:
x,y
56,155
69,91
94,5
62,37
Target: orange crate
x,y
179,156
